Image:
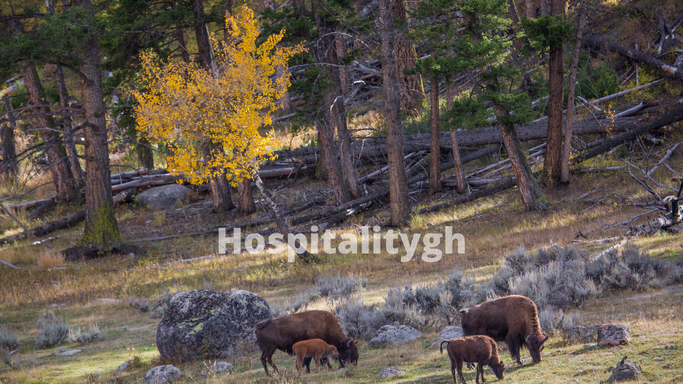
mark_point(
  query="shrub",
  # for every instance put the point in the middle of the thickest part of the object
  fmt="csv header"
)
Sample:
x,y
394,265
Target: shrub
x,y
301,303
8,340
553,321
463,292
92,335
161,304
359,320
336,288
139,303
51,331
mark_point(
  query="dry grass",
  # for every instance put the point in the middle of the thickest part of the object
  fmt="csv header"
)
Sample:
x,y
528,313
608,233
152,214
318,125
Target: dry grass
x,y
50,259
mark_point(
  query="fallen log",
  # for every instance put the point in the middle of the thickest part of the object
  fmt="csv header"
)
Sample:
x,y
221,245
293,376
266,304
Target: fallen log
x,y
376,148
672,116
469,197
52,226
27,205
633,54
42,208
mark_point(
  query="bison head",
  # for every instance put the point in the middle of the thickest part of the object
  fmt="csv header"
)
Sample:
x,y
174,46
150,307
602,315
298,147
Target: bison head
x,y
534,344
349,353
498,369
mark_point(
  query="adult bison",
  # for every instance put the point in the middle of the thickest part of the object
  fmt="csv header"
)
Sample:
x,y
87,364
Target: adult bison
x,y
282,332
513,319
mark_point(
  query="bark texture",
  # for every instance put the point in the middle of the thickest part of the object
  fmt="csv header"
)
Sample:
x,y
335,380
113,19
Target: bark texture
x,y
529,190
220,188
101,229
552,166
435,143
8,168
571,109
54,148
410,91
246,204
398,186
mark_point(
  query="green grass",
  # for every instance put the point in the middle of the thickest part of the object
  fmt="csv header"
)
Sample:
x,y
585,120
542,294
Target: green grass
x,y
492,227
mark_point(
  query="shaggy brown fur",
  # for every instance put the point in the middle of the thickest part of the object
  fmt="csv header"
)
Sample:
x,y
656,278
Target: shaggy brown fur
x,y
513,319
474,349
282,332
316,349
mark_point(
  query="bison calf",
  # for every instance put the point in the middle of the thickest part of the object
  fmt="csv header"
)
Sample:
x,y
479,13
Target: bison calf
x,y
474,349
317,349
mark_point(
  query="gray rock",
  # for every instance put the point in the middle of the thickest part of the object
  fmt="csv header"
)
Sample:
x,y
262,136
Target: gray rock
x,y
68,353
202,376
581,335
162,374
625,370
163,197
447,333
220,366
389,372
210,325
394,334
613,334
123,366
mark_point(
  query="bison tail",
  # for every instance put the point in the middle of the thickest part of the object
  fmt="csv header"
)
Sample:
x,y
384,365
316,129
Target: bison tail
x,y
441,345
263,323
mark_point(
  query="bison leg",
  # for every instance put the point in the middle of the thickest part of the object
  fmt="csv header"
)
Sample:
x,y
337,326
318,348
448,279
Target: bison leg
x,y
480,371
307,363
298,365
266,357
513,346
459,367
317,364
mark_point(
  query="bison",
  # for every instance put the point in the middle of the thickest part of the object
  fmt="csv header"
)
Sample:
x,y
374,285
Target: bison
x,y
282,332
513,319
316,349
474,349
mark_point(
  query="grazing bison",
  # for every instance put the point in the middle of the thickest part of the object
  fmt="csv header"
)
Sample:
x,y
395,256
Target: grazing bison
x,y
282,332
473,349
316,349
512,319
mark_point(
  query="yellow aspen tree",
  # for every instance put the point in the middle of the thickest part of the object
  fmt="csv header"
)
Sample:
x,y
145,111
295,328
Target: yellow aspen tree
x,y
189,106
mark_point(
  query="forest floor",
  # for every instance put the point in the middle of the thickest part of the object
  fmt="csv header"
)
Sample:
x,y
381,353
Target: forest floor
x,y
97,291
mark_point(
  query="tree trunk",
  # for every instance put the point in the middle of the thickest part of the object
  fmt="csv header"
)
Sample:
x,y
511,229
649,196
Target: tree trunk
x,y
435,143
459,171
101,230
410,90
220,188
246,204
204,49
398,186
330,162
8,170
56,154
179,35
144,153
531,194
566,152
597,43
69,142
341,174
76,169
552,167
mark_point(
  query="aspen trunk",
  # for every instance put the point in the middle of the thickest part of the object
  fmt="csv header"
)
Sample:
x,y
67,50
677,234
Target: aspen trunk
x,y
8,170
459,171
552,167
246,204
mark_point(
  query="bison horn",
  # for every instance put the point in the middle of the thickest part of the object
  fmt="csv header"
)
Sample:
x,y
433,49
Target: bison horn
x,y
348,343
546,338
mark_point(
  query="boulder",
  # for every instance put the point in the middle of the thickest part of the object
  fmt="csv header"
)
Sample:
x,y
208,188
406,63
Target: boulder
x,y
389,372
123,366
581,335
162,374
210,325
394,334
625,370
220,366
447,333
613,334
163,197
